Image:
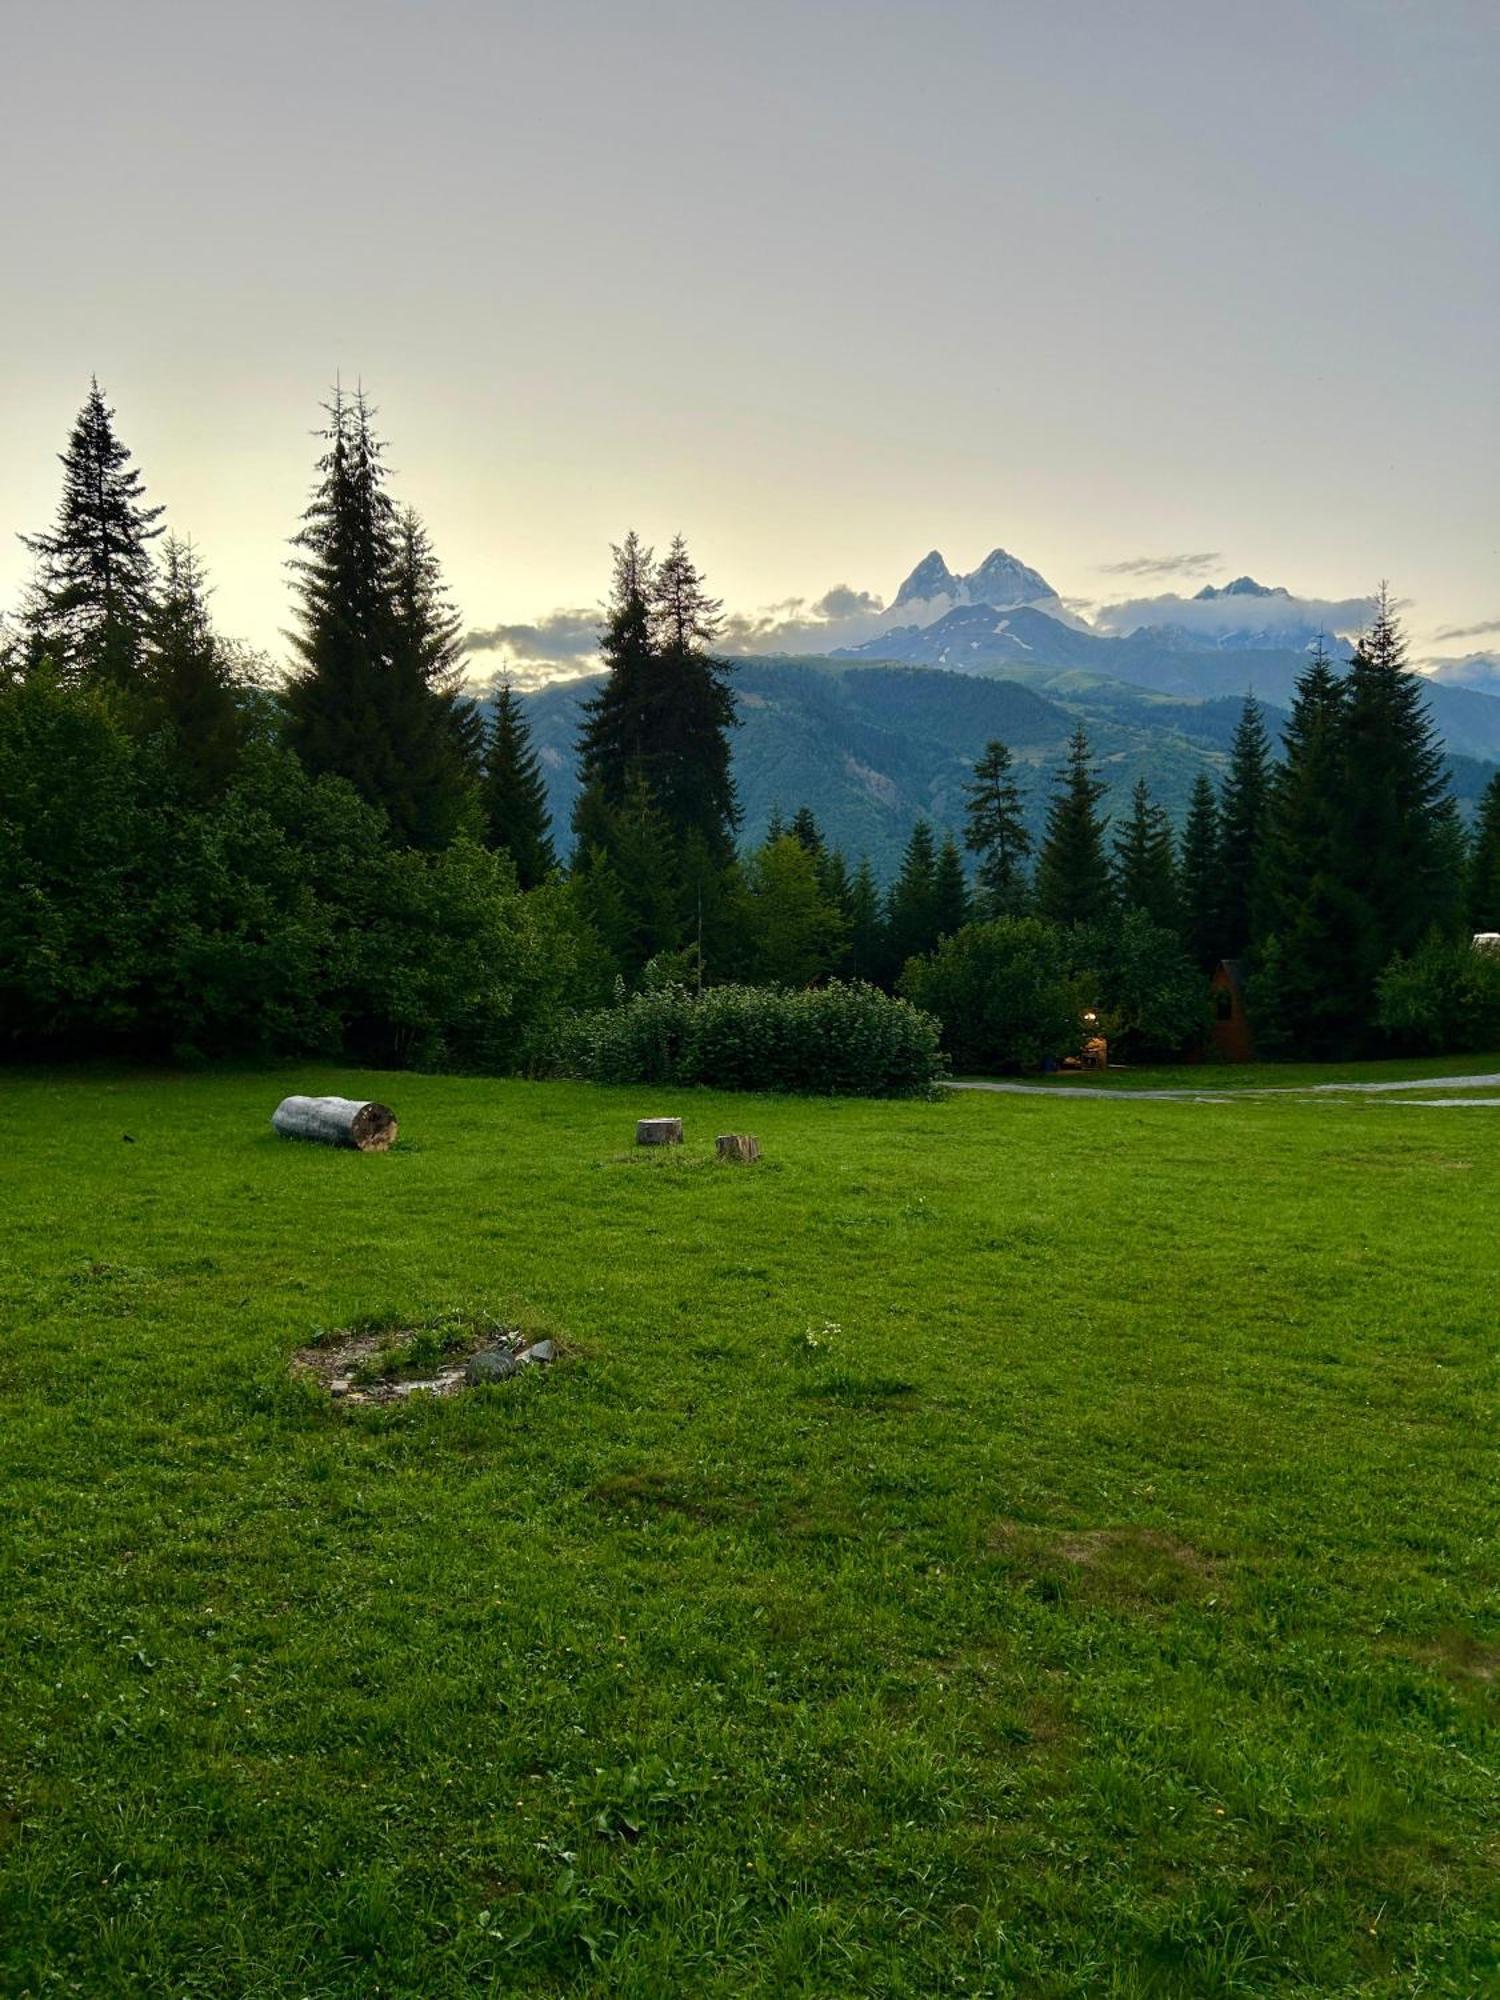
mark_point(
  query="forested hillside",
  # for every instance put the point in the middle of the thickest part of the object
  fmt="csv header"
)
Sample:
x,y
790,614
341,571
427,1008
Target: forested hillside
x,y
876,747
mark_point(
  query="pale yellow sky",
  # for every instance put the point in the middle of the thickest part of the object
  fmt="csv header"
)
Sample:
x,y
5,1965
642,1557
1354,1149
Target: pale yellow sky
x,y
822,285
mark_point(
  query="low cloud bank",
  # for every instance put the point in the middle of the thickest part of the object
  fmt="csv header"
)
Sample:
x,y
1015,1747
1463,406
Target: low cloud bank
x,y
1214,618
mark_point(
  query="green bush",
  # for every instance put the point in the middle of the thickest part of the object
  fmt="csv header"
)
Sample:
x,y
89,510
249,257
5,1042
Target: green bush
x,y
1151,998
277,919
1443,1000
830,1040
1004,993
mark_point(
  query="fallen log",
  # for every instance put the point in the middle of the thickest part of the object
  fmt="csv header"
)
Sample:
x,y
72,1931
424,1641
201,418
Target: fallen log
x,y
337,1121
738,1146
658,1132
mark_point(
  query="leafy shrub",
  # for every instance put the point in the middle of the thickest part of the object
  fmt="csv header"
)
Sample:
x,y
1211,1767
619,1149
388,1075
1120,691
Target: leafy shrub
x,y
1004,993
1443,1000
831,1040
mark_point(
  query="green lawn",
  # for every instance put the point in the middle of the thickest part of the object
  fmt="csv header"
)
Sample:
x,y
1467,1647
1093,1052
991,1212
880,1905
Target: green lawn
x,y
993,1547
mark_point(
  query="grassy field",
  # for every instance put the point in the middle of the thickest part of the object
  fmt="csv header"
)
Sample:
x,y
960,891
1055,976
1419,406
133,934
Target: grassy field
x,y
992,1547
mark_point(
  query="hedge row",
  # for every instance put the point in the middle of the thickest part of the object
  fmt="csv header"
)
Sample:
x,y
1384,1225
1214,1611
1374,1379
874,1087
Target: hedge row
x,y
833,1040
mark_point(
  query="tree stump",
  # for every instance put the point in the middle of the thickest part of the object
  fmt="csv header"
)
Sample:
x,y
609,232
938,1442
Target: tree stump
x,y
337,1121
658,1132
738,1146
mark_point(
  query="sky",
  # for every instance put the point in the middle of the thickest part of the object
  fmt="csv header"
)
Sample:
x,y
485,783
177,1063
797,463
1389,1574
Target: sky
x,y
1151,295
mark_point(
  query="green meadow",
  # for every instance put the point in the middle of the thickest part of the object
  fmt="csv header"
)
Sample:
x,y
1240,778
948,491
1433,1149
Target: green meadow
x,y
997,1546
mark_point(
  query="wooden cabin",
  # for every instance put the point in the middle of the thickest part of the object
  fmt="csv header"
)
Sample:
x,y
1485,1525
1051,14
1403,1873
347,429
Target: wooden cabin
x,y
1232,1039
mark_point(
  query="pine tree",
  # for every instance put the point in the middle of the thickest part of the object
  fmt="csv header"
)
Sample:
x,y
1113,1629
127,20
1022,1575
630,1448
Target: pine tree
x,y
1484,862
612,742
91,599
513,794
666,707
1198,875
187,676
995,830
376,700
1073,882
1145,864
1242,815
686,757
912,915
950,890
1398,812
805,828
441,730
1313,916
869,946
797,933
629,872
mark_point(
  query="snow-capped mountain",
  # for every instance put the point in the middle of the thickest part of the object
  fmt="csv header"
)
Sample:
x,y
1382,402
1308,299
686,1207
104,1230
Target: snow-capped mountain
x,y
1001,581
1264,615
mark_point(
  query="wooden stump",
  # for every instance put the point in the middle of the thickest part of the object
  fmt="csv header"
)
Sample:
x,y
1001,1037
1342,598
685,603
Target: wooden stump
x,y
337,1121
658,1132
738,1146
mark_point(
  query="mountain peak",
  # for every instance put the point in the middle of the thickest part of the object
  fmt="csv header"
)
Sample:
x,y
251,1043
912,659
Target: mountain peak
x,y
1242,586
931,578
1003,581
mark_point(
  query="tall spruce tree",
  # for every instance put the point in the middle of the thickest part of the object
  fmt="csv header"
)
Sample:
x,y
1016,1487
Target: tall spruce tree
x,y
1073,880
805,828
1145,863
94,587
1398,817
376,699
1198,875
665,708
1313,914
612,741
187,676
513,794
1242,817
950,890
1484,862
686,757
869,947
912,912
995,829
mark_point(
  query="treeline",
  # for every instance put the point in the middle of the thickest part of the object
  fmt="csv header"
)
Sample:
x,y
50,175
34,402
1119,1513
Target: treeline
x,y
198,852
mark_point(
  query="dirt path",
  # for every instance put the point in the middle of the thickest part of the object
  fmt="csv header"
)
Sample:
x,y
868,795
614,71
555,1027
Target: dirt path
x,y
1208,1095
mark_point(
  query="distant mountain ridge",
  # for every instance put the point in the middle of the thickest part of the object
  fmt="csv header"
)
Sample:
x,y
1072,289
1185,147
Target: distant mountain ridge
x,y
874,747
878,735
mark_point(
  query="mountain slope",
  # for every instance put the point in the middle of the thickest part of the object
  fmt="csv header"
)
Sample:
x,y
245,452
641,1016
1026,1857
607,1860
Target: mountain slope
x,y
873,747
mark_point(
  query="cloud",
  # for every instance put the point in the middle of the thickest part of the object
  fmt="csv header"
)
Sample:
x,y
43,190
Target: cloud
x,y
1478,631
844,602
1294,620
842,616
566,642
561,644
1184,565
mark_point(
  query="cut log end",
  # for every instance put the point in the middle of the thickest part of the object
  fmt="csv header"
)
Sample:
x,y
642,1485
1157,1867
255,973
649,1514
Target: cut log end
x,y
738,1146
658,1132
373,1129
337,1121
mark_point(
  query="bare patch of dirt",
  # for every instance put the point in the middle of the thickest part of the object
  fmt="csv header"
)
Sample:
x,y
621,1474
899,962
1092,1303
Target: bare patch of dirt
x,y
387,1362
